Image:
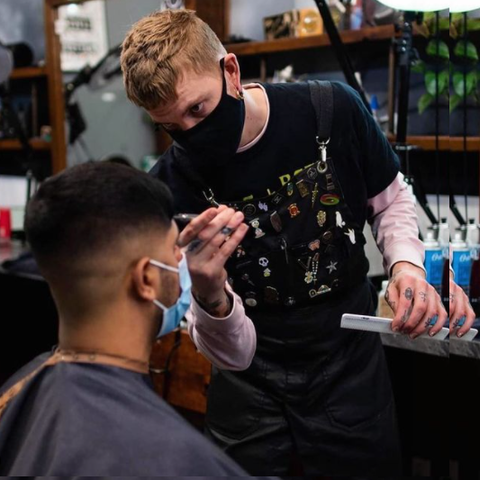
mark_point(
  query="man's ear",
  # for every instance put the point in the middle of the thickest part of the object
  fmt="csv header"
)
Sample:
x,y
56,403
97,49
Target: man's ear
x,y
232,69
145,280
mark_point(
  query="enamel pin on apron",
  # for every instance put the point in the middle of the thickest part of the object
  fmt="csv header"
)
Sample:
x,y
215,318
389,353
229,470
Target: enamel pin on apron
x,y
250,299
263,206
351,235
330,199
246,278
249,210
276,222
330,184
314,194
332,267
293,210
271,295
321,218
256,225
312,173
277,199
303,188
339,220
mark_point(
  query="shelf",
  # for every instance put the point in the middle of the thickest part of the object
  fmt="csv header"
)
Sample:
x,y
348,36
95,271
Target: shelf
x,y
13,144
28,72
287,44
454,144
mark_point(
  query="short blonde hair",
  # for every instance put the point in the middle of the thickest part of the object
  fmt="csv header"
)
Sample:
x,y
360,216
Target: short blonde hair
x,y
160,48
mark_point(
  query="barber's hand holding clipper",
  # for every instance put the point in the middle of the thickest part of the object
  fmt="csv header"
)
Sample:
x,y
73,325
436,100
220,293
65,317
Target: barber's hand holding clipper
x,y
209,240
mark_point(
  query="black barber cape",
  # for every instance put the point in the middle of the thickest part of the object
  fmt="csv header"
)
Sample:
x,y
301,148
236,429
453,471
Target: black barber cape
x,y
92,419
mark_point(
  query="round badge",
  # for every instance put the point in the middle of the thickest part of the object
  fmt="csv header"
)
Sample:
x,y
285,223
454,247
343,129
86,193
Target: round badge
x,y
312,173
327,236
251,302
249,209
329,199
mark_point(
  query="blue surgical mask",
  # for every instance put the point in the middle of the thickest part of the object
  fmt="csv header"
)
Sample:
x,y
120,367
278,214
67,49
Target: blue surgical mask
x,y
174,314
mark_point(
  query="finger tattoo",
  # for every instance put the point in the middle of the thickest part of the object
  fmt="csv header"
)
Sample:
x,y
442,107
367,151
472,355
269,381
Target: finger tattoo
x,y
408,293
407,314
423,296
194,245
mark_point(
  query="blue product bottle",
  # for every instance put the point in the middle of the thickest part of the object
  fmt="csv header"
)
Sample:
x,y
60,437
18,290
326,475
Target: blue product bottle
x,y
434,260
461,262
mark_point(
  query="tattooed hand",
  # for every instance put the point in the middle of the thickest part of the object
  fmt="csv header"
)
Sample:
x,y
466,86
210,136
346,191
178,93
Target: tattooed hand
x,y
416,304
460,311
209,240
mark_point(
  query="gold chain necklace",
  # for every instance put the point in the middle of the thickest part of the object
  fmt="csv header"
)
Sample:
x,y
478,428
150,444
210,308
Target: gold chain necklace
x,y
96,357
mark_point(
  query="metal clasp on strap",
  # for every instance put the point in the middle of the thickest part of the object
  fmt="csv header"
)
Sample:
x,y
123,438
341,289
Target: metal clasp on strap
x,y
210,197
322,149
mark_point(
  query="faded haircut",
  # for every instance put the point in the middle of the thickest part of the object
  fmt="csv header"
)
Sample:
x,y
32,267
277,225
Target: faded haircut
x,y
88,209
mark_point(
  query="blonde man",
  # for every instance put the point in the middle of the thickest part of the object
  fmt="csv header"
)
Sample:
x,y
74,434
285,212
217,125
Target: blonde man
x,y
314,395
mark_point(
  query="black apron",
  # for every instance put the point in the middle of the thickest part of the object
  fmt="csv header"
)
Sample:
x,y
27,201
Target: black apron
x,y
313,391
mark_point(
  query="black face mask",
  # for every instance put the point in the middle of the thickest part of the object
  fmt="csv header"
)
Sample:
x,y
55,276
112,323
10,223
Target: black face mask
x,y
217,137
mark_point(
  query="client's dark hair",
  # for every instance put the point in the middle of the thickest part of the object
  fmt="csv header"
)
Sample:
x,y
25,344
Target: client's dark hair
x,y
90,207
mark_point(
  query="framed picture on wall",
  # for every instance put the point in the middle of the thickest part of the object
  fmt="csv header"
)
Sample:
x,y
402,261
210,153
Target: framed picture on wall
x,y
83,34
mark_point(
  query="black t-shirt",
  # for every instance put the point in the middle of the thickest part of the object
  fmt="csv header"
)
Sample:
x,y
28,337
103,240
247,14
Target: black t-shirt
x,y
364,160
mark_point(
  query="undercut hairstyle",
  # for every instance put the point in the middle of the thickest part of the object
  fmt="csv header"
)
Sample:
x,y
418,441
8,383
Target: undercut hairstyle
x,y
160,48
88,209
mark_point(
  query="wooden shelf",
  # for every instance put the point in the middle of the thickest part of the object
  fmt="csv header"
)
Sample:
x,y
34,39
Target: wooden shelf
x,y
287,44
454,144
13,144
28,72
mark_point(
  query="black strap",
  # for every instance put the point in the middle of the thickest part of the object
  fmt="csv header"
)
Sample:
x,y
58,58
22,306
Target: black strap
x,y
321,94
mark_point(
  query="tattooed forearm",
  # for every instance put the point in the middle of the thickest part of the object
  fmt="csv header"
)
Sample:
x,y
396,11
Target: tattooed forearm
x,y
217,308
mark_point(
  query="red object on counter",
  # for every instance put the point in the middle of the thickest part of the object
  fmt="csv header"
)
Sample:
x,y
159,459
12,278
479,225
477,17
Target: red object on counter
x,y
5,224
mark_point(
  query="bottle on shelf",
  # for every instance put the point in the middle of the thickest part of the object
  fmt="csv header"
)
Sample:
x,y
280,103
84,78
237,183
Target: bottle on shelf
x,y
434,260
461,261
473,242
